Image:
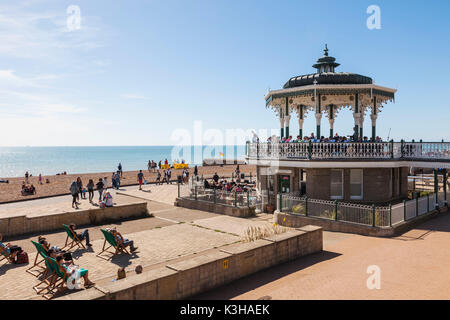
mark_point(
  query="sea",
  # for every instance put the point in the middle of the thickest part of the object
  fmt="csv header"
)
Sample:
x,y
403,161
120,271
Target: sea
x,y
15,161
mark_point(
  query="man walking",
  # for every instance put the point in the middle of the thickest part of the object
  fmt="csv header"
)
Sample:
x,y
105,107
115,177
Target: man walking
x,y
140,178
100,189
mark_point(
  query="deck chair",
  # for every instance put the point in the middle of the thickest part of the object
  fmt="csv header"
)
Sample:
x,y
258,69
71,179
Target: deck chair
x,y
55,281
109,238
4,255
49,279
73,236
41,252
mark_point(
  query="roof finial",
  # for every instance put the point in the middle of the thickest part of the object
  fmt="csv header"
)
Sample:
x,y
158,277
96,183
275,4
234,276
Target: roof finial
x,y
326,50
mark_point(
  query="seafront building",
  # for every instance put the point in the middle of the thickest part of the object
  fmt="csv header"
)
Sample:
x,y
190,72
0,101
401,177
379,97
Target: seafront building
x,y
367,173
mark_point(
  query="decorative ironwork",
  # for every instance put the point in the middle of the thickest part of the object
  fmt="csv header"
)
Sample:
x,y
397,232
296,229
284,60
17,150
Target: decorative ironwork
x,y
350,150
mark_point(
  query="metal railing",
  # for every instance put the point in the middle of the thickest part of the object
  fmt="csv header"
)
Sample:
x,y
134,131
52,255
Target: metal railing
x,y
350,150
195,190
370,215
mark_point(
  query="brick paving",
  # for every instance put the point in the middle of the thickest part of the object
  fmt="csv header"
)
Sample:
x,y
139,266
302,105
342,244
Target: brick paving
x,y
170,235
415,265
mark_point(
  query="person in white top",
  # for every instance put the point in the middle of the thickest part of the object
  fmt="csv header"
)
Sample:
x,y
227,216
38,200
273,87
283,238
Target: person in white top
x,y
105,183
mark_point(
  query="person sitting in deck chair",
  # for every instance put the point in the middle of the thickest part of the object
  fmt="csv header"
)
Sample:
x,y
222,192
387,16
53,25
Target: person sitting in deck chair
x,y
122,240
54,249
81,236
71,269
10,249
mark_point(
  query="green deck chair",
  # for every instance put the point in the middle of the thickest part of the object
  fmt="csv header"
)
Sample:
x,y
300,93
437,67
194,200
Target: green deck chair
x,y
4,254
72,235
49,279
56,280
41,252
109,238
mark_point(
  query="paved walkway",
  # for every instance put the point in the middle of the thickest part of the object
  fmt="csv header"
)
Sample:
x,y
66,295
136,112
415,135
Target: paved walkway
x,y
415,265
171,234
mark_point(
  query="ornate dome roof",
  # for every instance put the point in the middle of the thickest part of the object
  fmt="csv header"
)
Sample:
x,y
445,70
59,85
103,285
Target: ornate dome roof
x,y
326,74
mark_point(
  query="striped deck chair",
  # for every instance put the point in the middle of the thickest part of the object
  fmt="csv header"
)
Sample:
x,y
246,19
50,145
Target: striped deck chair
x,y
56,280
73,236
109,238
5,255
49,279
41,252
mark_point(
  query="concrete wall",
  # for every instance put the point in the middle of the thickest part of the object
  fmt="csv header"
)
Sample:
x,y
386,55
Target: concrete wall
x,y
20,225
209,270
241,212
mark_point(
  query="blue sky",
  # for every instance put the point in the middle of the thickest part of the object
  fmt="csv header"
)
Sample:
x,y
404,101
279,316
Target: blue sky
x,y
138,71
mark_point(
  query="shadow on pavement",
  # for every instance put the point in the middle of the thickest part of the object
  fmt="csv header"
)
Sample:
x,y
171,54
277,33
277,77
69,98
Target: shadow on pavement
x,y
263,277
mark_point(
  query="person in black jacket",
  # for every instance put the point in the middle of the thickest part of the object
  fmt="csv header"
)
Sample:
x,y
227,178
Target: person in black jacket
x,y
100,187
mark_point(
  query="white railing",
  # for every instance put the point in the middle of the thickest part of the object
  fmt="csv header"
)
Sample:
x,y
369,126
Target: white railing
x,y
377,216
350,150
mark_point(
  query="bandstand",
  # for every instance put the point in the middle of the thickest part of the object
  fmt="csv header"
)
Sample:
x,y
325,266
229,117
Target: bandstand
x,y
363,172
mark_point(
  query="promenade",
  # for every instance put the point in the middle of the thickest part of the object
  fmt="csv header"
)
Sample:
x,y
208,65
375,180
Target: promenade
x,y
171,234
415,265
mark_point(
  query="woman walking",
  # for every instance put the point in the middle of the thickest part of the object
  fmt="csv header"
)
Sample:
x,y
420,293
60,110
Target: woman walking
x,y
90,187
74,191
80,187
100,189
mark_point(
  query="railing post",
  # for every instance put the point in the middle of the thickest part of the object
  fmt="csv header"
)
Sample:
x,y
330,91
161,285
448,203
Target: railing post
x,y
436,188
392,149
178,183
390,214
215,196
444,182
248,198
310,150
195,193
404,210
373,215
402,148
250,177
336,210
235,199
428,202
417,206
306,206
280,201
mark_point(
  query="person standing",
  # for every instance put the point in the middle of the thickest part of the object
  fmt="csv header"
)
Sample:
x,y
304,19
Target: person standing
x,y
117,180
140,178
149,166
80,187
74,191
119,167
40,178
90,187
158,177
195,171
100,189
169,175
113,179
105,183
26,177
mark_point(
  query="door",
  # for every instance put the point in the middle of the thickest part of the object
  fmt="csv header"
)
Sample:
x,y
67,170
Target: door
x,y
284,184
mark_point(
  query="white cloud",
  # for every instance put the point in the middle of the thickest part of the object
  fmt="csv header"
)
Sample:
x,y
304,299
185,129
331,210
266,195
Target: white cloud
x,y
37,35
